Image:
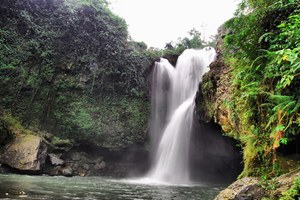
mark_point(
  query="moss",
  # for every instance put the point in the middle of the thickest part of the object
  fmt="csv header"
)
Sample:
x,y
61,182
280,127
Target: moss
x,y
81,86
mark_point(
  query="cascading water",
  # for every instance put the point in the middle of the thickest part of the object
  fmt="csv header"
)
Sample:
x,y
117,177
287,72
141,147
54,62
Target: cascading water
x,y
172,113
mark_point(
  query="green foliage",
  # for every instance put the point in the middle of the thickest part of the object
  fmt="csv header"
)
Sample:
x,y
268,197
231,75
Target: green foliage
x,y
55,56
208,90
112,121
268,184
293,192
194,42
265,65
11,127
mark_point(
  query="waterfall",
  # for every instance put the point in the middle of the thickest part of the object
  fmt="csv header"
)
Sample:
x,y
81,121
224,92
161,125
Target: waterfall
x,y
172,113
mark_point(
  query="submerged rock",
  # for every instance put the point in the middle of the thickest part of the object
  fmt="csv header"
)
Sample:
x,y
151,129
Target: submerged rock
x,y
24,153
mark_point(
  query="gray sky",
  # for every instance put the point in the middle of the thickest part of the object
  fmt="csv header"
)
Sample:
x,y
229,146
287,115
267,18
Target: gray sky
x,y
157,22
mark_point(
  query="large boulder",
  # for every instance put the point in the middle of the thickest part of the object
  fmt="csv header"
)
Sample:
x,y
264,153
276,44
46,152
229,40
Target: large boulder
x,y
25,152
258,188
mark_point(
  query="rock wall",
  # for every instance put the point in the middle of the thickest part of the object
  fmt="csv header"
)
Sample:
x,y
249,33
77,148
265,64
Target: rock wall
x,y
213,91
30,154
74,84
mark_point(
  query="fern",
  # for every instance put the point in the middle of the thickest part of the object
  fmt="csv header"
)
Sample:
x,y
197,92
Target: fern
x,y
264,36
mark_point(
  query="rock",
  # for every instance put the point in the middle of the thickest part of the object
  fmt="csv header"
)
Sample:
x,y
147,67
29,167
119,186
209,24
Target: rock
x,y
55,160
93,67
215,87
101,165
56,171
67,171
46,135
256,188
81,174
172,58
86,167
63,143
222,31
62,146
236,187
99,159
25,152
75,157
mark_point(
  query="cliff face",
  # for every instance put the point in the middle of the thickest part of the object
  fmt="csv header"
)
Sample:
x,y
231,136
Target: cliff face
x,y
68,69
69,75
214,90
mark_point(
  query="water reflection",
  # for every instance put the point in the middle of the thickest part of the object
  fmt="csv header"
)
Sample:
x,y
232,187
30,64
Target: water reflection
x,y
46,187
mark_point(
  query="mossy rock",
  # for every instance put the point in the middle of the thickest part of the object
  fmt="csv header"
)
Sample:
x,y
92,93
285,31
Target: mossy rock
x,y
25,152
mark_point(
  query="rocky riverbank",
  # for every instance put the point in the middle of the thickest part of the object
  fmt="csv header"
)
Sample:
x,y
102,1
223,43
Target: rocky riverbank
x,y
258,188
31,154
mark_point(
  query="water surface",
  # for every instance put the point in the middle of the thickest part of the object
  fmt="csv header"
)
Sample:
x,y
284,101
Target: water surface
x,y
46,187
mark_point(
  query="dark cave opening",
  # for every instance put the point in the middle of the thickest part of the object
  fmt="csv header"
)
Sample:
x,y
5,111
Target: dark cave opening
x,y
214,157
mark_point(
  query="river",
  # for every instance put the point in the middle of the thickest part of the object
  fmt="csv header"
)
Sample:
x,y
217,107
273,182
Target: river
x,y
13,186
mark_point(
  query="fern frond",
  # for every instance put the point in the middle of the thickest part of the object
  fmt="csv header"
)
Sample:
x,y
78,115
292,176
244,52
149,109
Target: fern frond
x,y
263,36
272,119
288,105
280,98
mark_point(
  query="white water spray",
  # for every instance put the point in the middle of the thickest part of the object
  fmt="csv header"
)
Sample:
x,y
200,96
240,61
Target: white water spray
x,y
172,113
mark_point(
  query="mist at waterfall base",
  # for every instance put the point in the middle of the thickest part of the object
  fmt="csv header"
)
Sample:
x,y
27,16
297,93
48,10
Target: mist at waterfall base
x,y
182,149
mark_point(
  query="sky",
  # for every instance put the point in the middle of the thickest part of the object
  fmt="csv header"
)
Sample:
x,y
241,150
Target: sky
x,y
157,22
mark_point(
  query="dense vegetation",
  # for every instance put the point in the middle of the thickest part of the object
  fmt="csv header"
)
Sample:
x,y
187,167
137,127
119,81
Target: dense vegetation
x,y
264,54
67,67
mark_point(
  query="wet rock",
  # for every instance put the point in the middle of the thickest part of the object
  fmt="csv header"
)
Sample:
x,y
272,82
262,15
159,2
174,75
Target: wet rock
x,y
55,171
99,166
54,160
172,58
67,171
25,152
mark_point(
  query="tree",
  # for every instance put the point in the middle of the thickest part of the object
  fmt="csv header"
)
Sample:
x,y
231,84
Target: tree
x,y
169,46
196,41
